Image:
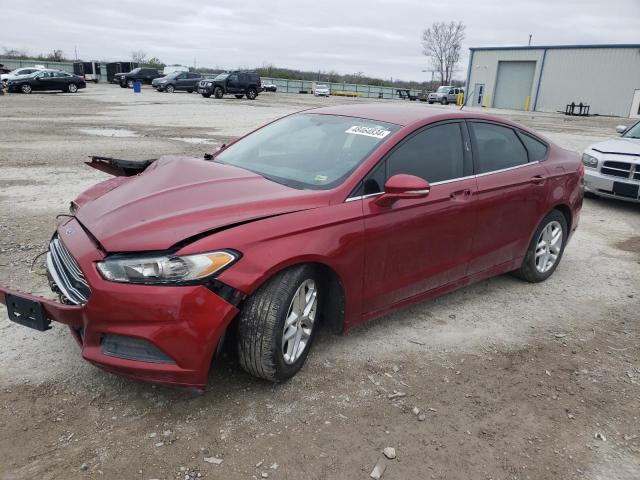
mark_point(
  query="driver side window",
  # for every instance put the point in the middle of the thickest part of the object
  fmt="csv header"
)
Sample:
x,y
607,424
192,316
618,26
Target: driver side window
x,y
435,154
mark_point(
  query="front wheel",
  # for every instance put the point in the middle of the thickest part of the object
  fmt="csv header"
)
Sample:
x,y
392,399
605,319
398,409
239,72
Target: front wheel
x,y
277,324
130,83
252,93
72,88
169,89
26,88
218,92
546,248
444,101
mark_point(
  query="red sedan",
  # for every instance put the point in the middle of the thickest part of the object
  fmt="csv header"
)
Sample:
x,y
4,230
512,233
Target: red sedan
x,y
326,218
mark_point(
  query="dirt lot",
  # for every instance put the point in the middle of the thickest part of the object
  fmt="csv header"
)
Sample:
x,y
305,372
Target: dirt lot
x,y
514,381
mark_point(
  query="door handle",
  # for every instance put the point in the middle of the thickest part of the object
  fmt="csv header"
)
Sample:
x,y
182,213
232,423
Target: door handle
x,y
460,194
538,179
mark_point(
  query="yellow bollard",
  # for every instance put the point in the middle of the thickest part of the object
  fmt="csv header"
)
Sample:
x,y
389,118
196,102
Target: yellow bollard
x,y
527,101
460,99
487,101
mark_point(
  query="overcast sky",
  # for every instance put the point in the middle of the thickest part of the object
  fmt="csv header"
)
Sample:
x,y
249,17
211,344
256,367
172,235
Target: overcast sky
x,y
377,37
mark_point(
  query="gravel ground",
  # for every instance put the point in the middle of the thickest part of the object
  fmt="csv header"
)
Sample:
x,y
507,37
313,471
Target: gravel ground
x,y
501,380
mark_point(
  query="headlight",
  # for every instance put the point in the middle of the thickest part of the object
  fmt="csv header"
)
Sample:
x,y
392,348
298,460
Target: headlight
x,y
589,161
209,84
165,269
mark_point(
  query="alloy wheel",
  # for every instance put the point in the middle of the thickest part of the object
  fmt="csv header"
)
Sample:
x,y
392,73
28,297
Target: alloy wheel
x,y
73,88
26,88
548,247
300,320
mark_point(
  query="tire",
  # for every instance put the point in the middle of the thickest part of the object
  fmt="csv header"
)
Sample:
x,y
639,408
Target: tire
x,y
542,245
444,101
239,96
129,83
123,85
218,92
72,88
430,102
26,88
252,93
261,324
189,91
169,89
206,95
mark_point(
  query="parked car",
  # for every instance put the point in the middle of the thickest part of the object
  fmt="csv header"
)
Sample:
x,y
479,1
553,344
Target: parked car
x,y
445,95
18,72
178,81
238,83
329,217
321,91
46,80
612,167
142,75
269,87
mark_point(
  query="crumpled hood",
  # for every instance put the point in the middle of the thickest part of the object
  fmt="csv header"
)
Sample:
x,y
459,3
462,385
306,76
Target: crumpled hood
x,y
625,146
180,197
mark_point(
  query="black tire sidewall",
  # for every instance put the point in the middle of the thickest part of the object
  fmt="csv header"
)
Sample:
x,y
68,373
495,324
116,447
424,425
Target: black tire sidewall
x,y
218,92
252,94
169,89
22,88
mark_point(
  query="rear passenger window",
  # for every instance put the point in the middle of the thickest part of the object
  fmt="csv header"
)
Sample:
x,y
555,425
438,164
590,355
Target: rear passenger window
x,y
537,150
434,154
496,147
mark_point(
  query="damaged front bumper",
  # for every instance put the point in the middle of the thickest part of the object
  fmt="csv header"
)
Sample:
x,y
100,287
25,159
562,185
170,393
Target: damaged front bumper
x,y
161,334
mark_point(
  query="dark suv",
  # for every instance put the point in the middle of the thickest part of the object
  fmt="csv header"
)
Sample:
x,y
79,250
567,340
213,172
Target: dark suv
x,y
185,81
142,75
237,83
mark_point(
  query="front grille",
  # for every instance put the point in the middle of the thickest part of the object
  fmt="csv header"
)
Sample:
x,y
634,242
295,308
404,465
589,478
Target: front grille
x,y
620,169
66,274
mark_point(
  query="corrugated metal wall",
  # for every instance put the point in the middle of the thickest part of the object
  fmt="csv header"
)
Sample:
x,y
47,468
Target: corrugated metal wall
x,y
484,70
604,78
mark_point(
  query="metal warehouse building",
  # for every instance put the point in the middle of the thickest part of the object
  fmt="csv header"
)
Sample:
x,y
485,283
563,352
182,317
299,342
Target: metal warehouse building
x,y
547,78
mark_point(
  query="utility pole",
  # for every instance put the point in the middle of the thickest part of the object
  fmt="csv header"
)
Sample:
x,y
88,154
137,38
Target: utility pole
x,y
530,35
75,47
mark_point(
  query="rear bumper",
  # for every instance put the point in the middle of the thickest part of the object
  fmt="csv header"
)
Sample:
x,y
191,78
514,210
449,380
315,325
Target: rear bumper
x,y
602,185
185,323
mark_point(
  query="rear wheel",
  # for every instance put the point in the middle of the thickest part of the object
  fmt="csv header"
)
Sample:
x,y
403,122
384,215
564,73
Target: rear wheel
x,y
190,91
546,248
72,88
218,92
252,93
278,324
26,88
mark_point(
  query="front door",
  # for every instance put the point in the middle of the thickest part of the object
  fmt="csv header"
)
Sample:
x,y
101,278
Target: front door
x,y
233,83
511,193
416,245
43,81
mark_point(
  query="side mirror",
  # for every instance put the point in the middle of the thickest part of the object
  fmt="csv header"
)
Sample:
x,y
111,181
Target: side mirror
x,y
403,186
621,129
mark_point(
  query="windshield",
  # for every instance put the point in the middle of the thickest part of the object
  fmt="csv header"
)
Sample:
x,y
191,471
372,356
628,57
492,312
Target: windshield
x,y
308,150
443,89
222,76
135,70
633,132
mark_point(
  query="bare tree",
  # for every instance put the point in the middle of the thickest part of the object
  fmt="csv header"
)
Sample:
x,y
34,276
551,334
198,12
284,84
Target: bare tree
x,y
56,56
13,53
139,56
442,43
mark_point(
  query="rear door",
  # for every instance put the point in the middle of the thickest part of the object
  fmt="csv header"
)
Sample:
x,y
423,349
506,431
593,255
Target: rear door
x,y
416,245
512,194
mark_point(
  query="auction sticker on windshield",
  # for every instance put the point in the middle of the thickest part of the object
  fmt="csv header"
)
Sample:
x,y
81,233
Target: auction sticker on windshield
x,y
374,132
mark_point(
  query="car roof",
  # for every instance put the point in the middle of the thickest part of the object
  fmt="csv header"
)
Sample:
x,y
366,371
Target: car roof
x,y
404,115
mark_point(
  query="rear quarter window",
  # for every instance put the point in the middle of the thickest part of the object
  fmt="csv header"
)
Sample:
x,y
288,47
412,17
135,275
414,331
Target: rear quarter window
x,y
536,148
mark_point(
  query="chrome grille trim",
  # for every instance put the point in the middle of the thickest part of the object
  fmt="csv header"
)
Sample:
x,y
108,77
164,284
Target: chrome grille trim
x,y
66,274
